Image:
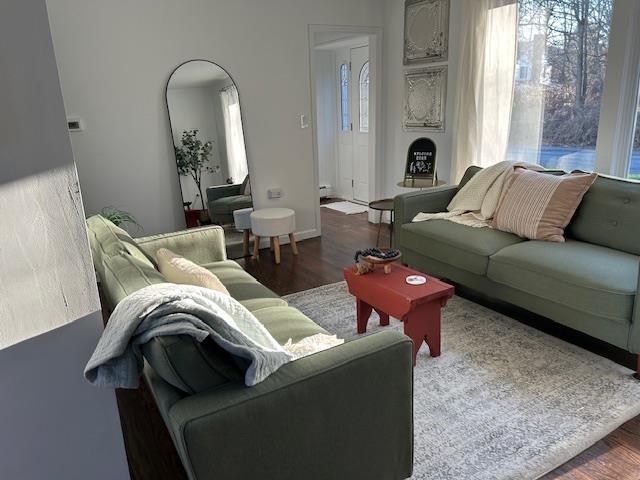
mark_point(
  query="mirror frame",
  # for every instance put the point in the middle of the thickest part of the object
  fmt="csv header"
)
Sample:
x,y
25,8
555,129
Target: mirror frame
x,y
173,142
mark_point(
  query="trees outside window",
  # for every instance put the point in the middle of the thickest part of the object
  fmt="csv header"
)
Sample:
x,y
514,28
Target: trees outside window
x,y
561,65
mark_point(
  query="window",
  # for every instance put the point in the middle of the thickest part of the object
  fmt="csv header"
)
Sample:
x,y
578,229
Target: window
x,y
364,98
634,164
561,62
345,123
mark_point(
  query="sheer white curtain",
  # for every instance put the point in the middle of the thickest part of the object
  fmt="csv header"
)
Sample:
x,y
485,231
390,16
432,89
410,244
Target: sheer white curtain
x,y
486,71
234,135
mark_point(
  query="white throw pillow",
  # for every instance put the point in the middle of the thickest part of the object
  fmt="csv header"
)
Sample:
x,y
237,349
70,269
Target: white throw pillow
x,y
177,269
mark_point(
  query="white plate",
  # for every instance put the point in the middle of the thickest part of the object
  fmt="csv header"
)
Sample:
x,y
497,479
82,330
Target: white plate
x,y
416,280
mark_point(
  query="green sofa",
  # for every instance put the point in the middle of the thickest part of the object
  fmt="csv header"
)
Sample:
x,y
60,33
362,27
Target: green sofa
x,y
223,200
589,283
346,412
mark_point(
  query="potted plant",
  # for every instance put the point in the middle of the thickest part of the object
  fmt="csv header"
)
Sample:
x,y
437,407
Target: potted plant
x,y
192,158
119,217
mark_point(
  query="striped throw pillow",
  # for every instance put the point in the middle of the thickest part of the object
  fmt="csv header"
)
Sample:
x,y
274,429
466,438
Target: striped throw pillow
x,y
539,206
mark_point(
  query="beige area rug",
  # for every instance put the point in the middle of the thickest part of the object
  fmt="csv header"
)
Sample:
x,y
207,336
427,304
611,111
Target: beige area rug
x,y
503,401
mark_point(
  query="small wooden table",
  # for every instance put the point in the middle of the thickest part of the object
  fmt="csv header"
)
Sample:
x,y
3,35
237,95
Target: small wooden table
x,y
418,306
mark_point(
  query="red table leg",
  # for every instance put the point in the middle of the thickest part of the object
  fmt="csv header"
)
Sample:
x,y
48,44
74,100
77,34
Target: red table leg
x,y
384,317
423,324
363,311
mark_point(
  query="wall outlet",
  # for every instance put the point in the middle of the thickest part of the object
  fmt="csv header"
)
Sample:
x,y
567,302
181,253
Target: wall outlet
x,y
274,193
75,124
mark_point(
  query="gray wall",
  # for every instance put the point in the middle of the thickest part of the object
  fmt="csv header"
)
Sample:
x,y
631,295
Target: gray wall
x,y
53,424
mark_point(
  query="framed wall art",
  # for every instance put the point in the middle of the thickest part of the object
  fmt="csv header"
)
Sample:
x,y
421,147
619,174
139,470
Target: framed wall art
x,y
425,98
426,31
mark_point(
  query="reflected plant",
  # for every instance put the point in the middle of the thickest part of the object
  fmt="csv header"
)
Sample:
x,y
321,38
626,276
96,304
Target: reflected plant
x,y
192,158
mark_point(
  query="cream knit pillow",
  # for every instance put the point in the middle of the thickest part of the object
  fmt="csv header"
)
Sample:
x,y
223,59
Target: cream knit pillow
x,y
177,269
539,206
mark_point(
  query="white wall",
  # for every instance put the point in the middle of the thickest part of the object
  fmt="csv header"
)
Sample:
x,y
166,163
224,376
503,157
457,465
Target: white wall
x,y
397,140
326,116
114,59
54,424
195,108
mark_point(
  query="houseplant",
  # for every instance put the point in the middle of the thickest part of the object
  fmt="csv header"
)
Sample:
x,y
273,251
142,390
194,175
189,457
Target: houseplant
x,y
192,158
119,217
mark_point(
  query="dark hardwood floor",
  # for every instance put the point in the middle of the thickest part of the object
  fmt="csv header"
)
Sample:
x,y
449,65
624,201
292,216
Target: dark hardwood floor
x,y
151,454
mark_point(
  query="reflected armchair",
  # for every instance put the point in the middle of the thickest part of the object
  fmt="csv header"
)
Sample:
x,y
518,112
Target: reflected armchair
x,y
223,200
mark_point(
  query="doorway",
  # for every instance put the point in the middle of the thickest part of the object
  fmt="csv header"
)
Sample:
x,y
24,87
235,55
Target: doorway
x,y
344,74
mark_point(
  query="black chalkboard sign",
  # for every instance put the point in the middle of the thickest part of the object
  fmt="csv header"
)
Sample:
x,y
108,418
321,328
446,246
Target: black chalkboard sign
x,y
421,160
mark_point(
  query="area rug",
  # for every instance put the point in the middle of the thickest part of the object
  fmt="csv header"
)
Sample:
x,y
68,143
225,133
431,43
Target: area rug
x,y
346,207
503,401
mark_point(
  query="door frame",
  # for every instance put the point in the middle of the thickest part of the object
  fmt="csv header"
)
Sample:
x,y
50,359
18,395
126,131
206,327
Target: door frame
x,y
375,106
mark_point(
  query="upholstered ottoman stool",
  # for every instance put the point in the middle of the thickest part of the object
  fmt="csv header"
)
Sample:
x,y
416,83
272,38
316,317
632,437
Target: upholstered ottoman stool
x,y
242,222
273,222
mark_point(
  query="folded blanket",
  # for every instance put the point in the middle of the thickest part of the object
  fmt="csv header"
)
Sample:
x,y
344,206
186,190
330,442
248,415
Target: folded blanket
x,y
169,309
476,202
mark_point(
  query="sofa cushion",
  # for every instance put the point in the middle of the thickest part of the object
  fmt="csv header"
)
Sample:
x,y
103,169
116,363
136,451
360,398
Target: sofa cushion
x,y
608,215
189,365
464,247
106,238
194,367
230,204
239,283
588,278
124,274
284,323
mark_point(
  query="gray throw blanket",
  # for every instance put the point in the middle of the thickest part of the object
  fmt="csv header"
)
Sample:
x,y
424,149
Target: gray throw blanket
x,y
169,309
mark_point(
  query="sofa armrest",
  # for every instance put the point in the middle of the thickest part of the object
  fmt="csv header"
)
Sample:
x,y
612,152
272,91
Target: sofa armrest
x,y
346,412
222,191
433,200
200,245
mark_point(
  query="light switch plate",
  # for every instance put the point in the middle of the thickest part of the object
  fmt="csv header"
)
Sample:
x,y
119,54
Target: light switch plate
x,y
274,193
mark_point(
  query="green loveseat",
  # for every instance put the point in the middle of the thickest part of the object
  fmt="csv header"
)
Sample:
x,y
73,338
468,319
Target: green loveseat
x,y
346,412
223,200
589,283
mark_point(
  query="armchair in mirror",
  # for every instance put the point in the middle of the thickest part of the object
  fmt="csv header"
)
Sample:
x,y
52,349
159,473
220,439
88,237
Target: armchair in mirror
x,y
208,138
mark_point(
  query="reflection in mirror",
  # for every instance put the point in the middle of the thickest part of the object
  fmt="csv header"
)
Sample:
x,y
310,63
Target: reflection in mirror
x,y
208,138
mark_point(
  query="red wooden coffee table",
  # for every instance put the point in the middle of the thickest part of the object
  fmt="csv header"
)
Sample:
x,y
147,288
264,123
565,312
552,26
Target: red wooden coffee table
x,y
418,306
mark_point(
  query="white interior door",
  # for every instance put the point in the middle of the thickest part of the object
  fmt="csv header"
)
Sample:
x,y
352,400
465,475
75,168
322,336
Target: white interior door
x,y
360,122
345,132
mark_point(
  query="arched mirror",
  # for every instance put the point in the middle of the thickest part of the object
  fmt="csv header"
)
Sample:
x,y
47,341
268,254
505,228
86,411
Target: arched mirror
x,y
208,139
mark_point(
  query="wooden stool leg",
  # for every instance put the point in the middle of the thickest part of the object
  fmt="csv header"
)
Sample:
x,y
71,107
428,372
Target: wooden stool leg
x,y
384,317
294,246
276,246
245,243
363,312
256,246
271,244
423,325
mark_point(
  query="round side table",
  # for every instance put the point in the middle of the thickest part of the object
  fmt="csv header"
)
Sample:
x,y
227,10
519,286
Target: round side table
x,y
273,222
420,183
385,205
